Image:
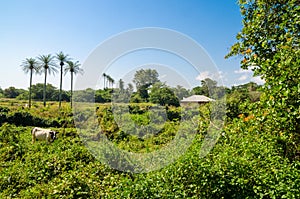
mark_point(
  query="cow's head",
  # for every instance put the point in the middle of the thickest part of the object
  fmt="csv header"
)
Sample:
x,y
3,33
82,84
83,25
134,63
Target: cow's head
x,y
53,135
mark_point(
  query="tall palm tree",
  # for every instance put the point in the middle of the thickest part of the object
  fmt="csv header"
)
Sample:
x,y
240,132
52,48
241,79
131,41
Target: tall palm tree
x,y
73,68
104,76
110,81
62,58
46,62
30,65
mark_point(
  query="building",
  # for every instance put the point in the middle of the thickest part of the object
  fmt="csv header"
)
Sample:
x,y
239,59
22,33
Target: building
x,y
196,99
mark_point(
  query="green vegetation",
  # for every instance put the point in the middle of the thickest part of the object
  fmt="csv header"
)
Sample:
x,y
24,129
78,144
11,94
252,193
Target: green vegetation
x,y
269,44
245,162
256,156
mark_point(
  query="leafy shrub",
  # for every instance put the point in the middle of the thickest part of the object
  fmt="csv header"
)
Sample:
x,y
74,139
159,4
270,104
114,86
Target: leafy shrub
x,y
173,113
4,109
11,146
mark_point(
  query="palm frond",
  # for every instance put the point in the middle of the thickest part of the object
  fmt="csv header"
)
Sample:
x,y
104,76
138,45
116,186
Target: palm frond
x,y
61,57
30,64
47,63
73,67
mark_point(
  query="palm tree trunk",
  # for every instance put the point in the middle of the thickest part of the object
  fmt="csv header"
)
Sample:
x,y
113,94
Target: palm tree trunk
x,y
30,83
71,97
60,88
44,91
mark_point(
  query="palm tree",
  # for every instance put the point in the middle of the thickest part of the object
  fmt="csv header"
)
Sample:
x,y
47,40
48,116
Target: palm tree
x,y
73,68
110,81
30,65
62,58
47,63
104,76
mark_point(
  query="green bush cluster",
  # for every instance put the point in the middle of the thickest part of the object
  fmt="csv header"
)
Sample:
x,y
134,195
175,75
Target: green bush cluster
x,y
25,118
244,164
248,160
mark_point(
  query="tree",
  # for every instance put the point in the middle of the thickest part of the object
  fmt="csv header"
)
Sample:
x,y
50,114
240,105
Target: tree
x,y
110,81
269,44
208,86
46,62
104,80
163,95
11,92
1,92
52,92
73,68
30,65
62,58
121,85
145,78
181,92
198,90
130,88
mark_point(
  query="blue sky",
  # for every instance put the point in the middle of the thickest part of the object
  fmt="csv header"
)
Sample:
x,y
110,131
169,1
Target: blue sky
x,y
34,27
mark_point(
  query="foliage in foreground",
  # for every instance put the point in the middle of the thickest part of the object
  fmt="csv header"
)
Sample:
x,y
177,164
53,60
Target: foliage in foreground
x,y
269,45
245,163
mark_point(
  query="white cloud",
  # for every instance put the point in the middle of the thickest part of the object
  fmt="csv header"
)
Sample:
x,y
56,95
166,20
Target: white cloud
x,y
220,75
258,80
163,76
204,75
243,77
207,74
242,71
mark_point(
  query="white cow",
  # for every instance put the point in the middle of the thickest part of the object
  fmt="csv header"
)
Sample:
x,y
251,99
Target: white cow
x,y
43,134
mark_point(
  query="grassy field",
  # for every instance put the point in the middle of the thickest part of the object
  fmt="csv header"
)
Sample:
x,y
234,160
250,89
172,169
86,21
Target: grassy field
x,y
245,163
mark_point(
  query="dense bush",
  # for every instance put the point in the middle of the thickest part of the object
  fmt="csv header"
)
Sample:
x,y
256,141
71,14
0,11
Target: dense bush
x,y
25,118
248,161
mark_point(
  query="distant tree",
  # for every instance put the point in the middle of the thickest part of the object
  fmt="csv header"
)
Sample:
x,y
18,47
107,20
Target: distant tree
x,y
208,86
104,80
87,95
103,96
30,65
120,94
11,92
46,62
1,92
24,95
130,93
62,59
121,85
145,78
52,92
181,92
130,88
198,90
73,68
163,95
110,81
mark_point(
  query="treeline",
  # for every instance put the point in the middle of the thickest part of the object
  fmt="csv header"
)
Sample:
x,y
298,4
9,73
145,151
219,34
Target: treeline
x,y
158,93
